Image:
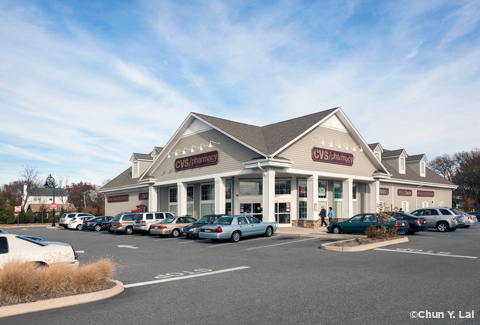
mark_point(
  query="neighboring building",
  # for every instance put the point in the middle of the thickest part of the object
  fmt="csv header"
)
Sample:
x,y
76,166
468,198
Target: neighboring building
x,y
281,172
44,196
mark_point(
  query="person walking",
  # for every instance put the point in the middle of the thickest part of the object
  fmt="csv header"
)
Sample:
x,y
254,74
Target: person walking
x,y
330,215
323,215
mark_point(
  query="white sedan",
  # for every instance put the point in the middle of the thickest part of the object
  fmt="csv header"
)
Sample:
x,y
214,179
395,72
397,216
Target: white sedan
x,y
20,248
77,222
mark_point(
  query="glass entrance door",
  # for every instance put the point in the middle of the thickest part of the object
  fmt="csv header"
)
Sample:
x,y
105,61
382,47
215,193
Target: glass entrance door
x,y
253,209
282,213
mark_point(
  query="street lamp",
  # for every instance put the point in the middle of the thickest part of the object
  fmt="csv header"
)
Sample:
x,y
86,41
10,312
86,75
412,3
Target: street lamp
x,y
50,182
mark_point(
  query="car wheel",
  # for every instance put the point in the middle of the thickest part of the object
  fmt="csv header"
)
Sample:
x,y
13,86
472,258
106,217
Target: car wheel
x,y
97,228
404,232
235,236
466,226
337,230
268,232
175,233
442,227
79,227
110,230
144,232
411,232
128,231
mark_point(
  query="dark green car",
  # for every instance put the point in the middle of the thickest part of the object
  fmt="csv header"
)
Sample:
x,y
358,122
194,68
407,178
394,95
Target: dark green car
x,y
360,222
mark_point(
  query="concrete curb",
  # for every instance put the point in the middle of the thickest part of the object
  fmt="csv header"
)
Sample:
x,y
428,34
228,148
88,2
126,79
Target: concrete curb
x,y
330,247
61,302
324,235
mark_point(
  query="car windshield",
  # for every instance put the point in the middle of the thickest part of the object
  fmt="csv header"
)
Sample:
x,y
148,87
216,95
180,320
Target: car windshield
x,y
139,216
205,220
224,221
455,211
168,220
117,217
32,241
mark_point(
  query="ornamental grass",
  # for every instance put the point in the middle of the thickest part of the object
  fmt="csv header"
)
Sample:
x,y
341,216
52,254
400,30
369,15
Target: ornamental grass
x,y
22,282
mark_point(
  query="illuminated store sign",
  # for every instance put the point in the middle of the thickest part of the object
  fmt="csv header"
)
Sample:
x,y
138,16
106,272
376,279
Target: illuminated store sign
x,y
204,159
331,156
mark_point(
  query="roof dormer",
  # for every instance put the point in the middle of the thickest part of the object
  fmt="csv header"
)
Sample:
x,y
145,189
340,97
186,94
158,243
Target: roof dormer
x,y
155,152
377,150
396,159
418,163
140,163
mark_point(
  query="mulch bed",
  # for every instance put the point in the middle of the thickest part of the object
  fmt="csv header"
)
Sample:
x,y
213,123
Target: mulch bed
x,y
7,300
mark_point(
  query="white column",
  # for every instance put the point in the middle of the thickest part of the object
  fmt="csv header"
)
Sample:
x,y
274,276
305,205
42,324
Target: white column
x,y
294,203
152,198
312,198
181,199
219,195
269,195
374,196
347,198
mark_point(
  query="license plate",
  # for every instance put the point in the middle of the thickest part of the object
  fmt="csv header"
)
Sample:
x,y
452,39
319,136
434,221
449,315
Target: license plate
x,y
208,230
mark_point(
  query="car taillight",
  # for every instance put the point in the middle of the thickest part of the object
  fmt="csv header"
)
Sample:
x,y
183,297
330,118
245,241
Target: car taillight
x,y
87,223
143,223
152,227
219,229
119,224
397,224
162,227
453,218
470,218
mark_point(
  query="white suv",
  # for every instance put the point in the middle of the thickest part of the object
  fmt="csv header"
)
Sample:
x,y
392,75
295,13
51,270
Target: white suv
x,y
144,220
67,217
441,218
77,222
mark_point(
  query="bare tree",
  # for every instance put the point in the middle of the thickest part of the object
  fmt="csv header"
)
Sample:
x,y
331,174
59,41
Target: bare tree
x,y
62,194
444,165
29,176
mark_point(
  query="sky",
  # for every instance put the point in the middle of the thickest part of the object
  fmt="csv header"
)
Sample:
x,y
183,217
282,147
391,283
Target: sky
x,y
84,84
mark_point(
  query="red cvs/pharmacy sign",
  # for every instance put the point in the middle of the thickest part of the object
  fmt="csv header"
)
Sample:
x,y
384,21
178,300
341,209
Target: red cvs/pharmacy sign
x,y
331,156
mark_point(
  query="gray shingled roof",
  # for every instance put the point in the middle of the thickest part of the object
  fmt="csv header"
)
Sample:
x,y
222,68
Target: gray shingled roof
x,y
415,157
412,175
373,145
391,153
267,139
123,179
42,191
143,156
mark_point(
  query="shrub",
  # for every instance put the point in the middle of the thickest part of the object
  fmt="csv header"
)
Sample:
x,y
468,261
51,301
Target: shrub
x,y
18,279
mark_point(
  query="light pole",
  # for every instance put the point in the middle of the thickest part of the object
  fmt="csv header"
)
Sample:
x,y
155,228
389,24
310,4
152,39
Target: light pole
x,y
50,182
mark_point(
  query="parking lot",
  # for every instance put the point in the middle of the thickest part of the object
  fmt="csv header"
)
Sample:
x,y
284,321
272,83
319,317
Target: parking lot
x,y
280,279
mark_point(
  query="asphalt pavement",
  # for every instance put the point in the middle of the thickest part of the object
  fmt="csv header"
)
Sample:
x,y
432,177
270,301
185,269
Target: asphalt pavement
x,y
283,279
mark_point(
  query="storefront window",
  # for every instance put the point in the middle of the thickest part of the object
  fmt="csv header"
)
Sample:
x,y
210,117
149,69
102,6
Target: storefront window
x,y
228,208
354,191
251,188
302,210
173,195
173,209
337,190
322,190
190,193
228,190
302,188
337,209
208,192
282,187
207,208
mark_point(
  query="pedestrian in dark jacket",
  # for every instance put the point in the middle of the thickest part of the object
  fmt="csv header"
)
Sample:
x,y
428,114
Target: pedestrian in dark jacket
x,y
323,215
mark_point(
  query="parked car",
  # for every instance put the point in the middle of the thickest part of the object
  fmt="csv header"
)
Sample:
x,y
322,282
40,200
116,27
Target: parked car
x,y
469,219
171,226
440,218
360,222
67,217
123,222
77,222
143,220
18,248
95,223
192,230
236,227
49,242
416,223
106,225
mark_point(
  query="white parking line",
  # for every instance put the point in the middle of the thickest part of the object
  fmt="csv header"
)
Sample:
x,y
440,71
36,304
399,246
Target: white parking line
x,y
184,277
80,252
422,253
290,242
188,242
217,245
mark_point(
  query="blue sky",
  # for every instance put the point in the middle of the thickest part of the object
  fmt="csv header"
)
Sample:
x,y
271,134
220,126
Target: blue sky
x,y
84,84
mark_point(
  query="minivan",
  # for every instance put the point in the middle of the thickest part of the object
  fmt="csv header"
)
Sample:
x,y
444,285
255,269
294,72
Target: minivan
x,y
123,222
143,220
